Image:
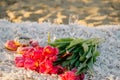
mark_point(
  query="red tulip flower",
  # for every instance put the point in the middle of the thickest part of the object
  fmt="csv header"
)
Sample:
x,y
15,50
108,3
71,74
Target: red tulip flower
x,y
60,69
57,70
80,76
19,61
29,53
22,50
50,51
45,66
69,75
37,53
30,64
53,58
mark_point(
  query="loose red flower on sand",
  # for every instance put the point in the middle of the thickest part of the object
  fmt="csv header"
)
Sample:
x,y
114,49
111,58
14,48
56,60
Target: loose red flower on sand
x,y
10,44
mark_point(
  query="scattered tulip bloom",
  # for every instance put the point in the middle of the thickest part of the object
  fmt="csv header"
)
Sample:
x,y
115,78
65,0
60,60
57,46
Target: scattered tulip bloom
x,y
10,44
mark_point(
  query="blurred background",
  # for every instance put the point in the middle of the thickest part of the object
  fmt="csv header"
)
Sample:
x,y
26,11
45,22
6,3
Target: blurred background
x,y
86,12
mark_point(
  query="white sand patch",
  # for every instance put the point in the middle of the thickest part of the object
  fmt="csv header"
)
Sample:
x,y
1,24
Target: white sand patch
x,y
107,66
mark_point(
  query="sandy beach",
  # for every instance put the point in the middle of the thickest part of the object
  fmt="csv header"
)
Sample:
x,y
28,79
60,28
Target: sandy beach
x,y
107,66
90,12
35,18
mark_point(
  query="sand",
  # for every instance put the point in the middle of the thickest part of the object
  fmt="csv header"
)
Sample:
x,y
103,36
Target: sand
x,y
90,12
107,66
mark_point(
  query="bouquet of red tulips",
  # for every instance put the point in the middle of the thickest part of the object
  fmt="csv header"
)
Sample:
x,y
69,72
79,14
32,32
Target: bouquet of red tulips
x,y
67,57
